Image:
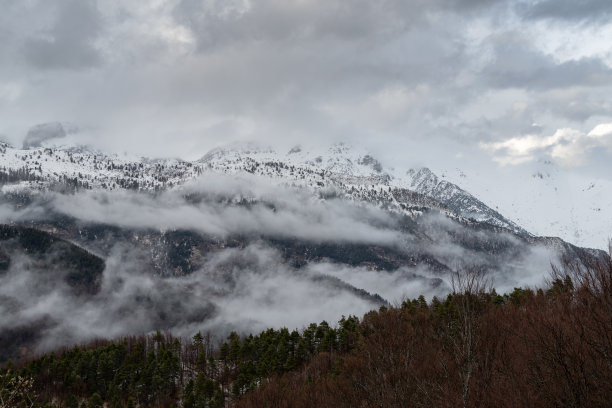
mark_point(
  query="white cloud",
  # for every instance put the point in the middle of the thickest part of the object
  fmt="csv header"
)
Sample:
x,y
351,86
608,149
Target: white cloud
x,y
569,146
601,130
276,211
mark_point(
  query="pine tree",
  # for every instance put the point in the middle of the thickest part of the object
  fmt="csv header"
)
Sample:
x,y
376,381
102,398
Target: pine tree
x,y
95,401
71,402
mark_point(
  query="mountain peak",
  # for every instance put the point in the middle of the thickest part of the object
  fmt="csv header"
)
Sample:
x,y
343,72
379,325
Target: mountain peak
x,y
235,149
39,135
422,179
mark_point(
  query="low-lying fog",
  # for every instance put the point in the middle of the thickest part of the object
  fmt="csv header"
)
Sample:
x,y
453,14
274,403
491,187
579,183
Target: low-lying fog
x,y
244,289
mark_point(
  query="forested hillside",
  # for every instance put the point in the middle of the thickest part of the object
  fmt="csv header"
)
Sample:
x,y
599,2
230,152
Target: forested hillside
x,y
548,347
43,260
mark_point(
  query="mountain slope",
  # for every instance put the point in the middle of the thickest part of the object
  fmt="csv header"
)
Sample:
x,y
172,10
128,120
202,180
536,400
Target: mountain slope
x,y
547,198
34,265
247,238
354,174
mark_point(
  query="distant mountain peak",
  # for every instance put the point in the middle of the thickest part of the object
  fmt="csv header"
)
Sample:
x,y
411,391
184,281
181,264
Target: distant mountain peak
x,y
41,134
295,149
236,148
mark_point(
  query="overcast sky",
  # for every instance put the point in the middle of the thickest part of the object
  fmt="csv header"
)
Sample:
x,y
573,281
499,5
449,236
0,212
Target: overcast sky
x,y
508,81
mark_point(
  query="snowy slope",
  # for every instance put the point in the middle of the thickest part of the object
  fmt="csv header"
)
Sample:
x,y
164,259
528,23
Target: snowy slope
x,y
336,170
426,182
43,167
547,200
358,175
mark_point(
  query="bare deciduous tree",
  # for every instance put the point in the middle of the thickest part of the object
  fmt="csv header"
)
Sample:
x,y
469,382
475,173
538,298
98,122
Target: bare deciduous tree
x,y
468,287
16,391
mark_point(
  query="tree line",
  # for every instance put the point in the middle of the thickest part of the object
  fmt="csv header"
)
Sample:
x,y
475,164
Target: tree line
x,y
162,371
549,347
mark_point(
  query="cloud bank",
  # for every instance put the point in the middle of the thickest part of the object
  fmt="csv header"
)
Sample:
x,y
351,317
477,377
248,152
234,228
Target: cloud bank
x,y
222,206
251,286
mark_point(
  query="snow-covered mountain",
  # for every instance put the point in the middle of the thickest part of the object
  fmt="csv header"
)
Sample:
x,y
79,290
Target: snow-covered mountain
x,y
538,206
244,234
337,203
340,169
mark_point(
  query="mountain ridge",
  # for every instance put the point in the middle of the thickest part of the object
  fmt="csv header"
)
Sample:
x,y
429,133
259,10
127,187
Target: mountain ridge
x,y
356,173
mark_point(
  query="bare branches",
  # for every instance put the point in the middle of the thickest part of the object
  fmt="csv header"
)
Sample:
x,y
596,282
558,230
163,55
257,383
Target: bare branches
x,y
16,391
472,280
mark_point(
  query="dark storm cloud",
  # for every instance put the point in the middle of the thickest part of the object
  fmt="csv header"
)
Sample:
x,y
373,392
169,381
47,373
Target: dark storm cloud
x,y
218,24
518,64
576,104
570,10
69,43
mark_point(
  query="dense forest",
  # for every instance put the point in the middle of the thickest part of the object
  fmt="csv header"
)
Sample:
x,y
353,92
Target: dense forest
x,y
549,347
